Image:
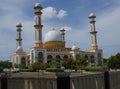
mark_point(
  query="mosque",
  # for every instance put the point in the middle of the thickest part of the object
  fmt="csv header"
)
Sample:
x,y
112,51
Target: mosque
x,y
53,47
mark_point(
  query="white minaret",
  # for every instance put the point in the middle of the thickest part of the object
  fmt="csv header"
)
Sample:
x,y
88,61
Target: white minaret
x,y
19,39
38,26
63,34
93,33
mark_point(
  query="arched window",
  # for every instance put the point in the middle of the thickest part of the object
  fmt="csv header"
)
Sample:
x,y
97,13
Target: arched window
x,y
58,57
40,57
86,58
17,60
99,54
32,57
49,57
99,59
92,59
23,61
65,57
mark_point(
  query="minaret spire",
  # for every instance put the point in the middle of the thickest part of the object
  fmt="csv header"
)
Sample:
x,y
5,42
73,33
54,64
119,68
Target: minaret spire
x,y
63,34
38,26
93,33
19,39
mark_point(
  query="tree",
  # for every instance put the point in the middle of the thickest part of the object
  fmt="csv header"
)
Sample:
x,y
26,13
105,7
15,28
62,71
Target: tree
x,y
39,65
75,64
1,69
5,64
113,62
54,64
69,63
81,61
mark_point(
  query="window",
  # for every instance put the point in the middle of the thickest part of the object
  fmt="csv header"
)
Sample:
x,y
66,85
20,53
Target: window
x,y
49,57
40,57
23,61
99,59
58,57
92,59
86,57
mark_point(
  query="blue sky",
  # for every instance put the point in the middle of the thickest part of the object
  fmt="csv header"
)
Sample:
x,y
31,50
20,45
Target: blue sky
x,y
69,14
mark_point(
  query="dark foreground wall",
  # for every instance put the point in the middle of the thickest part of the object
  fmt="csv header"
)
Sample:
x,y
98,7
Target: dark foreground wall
x,y
29,83
105,80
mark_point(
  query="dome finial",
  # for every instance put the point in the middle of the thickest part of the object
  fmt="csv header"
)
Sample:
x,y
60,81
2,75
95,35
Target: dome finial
x,y
92,15
74,47
19,24
37,4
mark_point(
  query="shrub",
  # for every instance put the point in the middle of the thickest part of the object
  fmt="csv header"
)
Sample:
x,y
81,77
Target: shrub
x,y
38,65
92,68
27,70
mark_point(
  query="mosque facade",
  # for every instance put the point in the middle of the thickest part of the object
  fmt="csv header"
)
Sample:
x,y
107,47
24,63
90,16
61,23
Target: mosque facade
x,y
53,47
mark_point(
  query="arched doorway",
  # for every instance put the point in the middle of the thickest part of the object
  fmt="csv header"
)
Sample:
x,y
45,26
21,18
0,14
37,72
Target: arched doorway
x,y
23,62
92,59
49,58
58,58
40,57
86,58
99,59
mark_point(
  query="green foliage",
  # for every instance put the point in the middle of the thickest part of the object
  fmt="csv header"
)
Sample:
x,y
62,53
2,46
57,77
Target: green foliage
x,y
39,65
81,61
5,64
16,65
1,69
113,62
69,64
54,64
27,70
92,68
36,66
21,66
75,64
43,66
105,61
54,70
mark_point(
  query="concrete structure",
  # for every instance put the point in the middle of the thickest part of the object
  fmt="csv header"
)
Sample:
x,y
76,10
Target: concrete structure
x,y
103,80
54,45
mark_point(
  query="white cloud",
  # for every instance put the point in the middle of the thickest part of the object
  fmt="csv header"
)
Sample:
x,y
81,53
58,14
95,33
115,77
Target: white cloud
x,y
61,14
51,12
